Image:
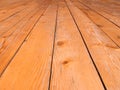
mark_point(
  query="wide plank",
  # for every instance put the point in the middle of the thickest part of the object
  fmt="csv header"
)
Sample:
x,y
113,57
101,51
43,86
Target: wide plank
x,y
105,53
72,68
11,42
106,26
31,65
110,11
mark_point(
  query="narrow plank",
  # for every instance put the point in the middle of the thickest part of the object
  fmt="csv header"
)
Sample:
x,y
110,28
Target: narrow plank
x,y
8,12
109,28
9,23
32,71
11,35
10,43
105,53
22,22
113,17
72,66
5,4
108,6
20,25
8,31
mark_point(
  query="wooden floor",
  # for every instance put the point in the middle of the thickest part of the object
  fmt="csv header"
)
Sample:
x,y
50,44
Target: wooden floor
x,y
59,44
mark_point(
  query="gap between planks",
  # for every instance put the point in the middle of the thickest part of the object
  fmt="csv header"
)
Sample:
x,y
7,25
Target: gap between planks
x,y
7,64
86,46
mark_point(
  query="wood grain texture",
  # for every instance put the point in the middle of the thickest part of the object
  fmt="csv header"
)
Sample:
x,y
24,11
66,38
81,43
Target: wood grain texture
x,y
72,66
105,53
8,12
59,45
109,28
10,42
109,10
35,53
13,20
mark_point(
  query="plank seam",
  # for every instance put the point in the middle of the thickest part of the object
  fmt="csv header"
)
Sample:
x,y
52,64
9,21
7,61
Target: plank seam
x,y
53,50
86,47
13,14
15,24
102,30
100,14
22,43
19,20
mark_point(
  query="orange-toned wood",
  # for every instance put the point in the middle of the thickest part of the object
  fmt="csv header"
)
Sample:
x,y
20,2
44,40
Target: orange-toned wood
x,y
72,66
10,42
104,52
36,53
109,28
59,44
11,9
13,20
110,9
8,4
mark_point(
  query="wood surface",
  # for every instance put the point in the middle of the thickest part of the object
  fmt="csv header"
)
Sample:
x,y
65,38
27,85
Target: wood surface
x,y
70,56
104,51
59,44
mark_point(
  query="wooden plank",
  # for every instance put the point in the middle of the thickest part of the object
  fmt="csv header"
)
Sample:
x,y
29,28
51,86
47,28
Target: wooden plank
x,y
22,22
105,53
19,25
6,35
109,6
72,66
10,43
9,4
7,12
109,28
110,13
33,70
10,22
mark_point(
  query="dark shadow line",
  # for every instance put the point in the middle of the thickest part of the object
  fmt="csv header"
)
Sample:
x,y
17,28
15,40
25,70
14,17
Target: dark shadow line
x,y
86,47
21,44
53,49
